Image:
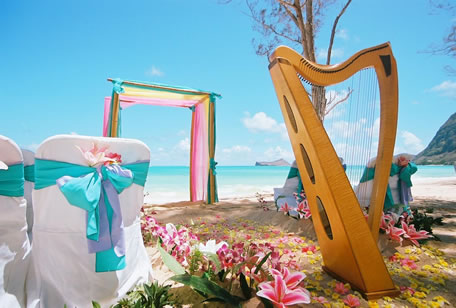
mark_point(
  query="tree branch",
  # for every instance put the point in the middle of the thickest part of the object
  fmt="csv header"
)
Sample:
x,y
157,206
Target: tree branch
x,y
333,31
338,102
310,30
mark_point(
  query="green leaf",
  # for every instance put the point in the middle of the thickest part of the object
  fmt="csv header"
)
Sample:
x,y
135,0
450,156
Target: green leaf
x,y
95,305
221,275
246,291
266,302
214,258
170,262
208,287
149,290
258,267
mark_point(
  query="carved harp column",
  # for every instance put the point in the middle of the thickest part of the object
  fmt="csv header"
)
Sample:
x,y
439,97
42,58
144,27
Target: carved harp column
x,y
348,244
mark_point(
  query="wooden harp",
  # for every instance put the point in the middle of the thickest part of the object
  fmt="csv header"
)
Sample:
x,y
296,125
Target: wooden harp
x,y
348,243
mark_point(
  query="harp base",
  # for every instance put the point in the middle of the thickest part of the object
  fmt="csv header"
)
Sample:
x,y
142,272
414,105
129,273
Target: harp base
x,y
367,295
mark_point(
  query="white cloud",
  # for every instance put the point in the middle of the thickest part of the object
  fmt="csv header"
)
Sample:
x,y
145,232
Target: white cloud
x,y
277,152
261,122
184,145
237,149
322,54
182,133
153,71
342,33
412,143
446,88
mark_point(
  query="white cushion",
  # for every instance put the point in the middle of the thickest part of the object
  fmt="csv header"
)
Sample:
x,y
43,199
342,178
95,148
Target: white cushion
x,y
64,269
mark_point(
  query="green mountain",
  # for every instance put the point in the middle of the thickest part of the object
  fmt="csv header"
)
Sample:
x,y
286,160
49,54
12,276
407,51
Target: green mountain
x,y
442,149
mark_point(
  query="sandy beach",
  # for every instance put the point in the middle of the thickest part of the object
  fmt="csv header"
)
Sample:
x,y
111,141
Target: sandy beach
x,y
439,194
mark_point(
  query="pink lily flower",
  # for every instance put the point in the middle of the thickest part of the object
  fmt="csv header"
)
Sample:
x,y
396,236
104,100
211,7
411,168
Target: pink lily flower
x,y
413,235
340,288
384,222
278,293
285,208
304,210
352,301
395,233
291,280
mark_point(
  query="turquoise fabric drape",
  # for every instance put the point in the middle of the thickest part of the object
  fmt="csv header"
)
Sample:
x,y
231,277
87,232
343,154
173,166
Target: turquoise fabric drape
x,y
405,175
212,162
83,187
12,181
294,172
29,173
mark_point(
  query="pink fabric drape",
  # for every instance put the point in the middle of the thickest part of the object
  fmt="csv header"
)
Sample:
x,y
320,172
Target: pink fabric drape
x,y
128,101
200,155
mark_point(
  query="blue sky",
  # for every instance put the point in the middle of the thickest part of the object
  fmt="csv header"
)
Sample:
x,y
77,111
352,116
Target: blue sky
x,y
55,57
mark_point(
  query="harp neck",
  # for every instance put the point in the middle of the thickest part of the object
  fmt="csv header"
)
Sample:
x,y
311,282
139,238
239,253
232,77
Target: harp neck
x,y
380,57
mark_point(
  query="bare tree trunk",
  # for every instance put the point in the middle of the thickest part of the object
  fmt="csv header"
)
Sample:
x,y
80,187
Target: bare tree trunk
x,y
319,101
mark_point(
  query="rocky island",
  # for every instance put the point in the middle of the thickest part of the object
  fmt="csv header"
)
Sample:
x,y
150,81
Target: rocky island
x,y
279,162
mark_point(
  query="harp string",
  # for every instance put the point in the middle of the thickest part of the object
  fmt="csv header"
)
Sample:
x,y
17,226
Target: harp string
x,y
352,125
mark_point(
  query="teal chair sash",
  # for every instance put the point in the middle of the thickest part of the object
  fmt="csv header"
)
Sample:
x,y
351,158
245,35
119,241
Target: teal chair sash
x,y
96,191
29,173
12,181
405,181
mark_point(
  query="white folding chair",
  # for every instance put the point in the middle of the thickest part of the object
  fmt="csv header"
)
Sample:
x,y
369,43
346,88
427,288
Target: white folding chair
x,y
14,243
66,273
29,184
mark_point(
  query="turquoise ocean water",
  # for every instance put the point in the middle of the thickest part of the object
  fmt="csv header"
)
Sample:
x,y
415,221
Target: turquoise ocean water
x,y
171,183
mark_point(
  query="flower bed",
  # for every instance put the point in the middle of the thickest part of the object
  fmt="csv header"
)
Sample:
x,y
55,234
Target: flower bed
x,y
230,255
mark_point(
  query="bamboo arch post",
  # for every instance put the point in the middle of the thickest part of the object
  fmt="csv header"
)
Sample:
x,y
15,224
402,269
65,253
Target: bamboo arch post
x,y
348,244
115,114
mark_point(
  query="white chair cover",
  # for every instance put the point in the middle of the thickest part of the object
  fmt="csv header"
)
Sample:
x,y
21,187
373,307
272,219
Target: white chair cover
x,y
286,193
29,160
14,243
64,269
363,190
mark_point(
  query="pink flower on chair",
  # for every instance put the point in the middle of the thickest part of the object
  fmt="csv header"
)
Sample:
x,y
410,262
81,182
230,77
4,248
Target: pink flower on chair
x,y
413,235
98,156
285,208
277,292
115,158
